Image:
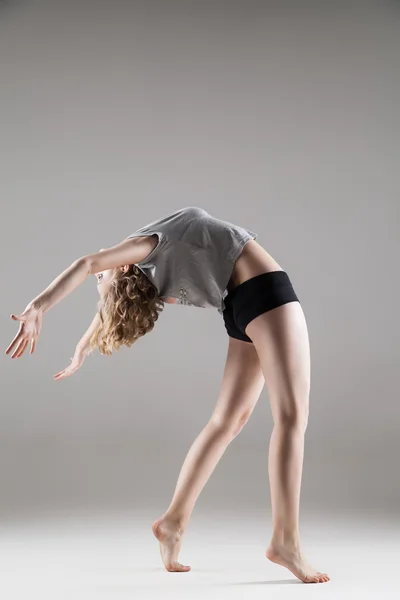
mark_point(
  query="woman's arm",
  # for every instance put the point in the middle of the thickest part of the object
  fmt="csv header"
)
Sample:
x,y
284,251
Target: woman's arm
x,y
84,341
30,320
62,285
81,351
127,252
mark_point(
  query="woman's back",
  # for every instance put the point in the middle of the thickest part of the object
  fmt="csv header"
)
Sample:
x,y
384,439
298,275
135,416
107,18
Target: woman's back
x,y
193,259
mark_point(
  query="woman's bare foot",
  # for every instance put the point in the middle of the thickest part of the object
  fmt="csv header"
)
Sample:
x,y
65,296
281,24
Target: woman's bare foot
x,y
169,534
289,556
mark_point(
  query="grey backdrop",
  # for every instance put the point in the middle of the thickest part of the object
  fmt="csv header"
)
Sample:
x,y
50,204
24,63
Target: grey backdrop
x,y
281,117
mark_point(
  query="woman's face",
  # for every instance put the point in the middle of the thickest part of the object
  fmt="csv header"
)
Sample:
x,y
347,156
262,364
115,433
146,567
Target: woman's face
x,y
104,278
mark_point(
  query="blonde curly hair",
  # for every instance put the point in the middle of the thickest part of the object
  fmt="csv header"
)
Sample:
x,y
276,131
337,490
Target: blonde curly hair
x,y
128,310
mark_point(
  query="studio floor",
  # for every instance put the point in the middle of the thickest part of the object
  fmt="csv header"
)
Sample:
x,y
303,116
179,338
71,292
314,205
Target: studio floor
x,y
113,555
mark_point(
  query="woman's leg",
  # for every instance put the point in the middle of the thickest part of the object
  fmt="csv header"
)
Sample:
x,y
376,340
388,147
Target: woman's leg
x,y
242,383
281,340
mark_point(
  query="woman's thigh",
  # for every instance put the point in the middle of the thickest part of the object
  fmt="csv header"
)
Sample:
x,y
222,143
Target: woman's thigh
x,y
280,338
241,386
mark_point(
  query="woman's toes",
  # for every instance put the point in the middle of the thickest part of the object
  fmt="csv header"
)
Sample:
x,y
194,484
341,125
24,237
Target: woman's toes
x,y
178,567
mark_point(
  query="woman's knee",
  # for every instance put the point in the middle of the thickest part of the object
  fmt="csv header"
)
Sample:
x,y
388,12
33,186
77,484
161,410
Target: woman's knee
x,y
231,424
292,412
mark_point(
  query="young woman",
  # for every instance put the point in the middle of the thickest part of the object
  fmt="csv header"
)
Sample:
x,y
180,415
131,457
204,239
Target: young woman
x,y
190,257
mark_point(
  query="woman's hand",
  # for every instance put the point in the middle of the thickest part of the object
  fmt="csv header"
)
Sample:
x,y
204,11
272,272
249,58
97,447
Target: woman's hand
x,y
76,362
30,324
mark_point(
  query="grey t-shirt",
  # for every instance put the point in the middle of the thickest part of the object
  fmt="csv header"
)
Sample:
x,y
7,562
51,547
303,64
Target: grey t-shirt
x,y
195,255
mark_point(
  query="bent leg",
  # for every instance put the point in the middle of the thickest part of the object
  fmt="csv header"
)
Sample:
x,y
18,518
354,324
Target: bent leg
x,y
241,387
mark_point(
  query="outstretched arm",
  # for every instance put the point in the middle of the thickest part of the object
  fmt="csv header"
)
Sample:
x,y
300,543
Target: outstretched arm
x,y
62,285
30,320
129,251
81,351
85,339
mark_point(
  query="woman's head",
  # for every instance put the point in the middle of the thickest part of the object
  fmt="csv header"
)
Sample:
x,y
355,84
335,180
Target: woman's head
x,y
129,306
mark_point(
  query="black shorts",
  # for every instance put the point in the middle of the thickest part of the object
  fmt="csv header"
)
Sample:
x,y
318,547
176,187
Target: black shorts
x,y
254,297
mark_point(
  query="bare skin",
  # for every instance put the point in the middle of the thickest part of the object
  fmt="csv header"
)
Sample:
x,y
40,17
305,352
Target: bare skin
x,y
280,358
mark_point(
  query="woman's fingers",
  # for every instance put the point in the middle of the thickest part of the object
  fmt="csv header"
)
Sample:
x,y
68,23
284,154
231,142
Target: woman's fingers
x,y
76,362
19,345
33,345
61,374
18,335
23,348
30,322
58,375
17,350
14,342
16,347
65,372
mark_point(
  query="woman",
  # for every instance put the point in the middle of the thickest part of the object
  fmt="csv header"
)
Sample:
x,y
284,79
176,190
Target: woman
x,y
190,257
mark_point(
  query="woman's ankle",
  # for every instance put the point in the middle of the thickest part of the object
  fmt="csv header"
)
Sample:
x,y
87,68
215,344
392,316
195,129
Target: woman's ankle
x,y
176,520
285,537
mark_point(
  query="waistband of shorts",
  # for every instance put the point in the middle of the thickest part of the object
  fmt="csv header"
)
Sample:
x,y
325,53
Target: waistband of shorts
x,y
261,280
